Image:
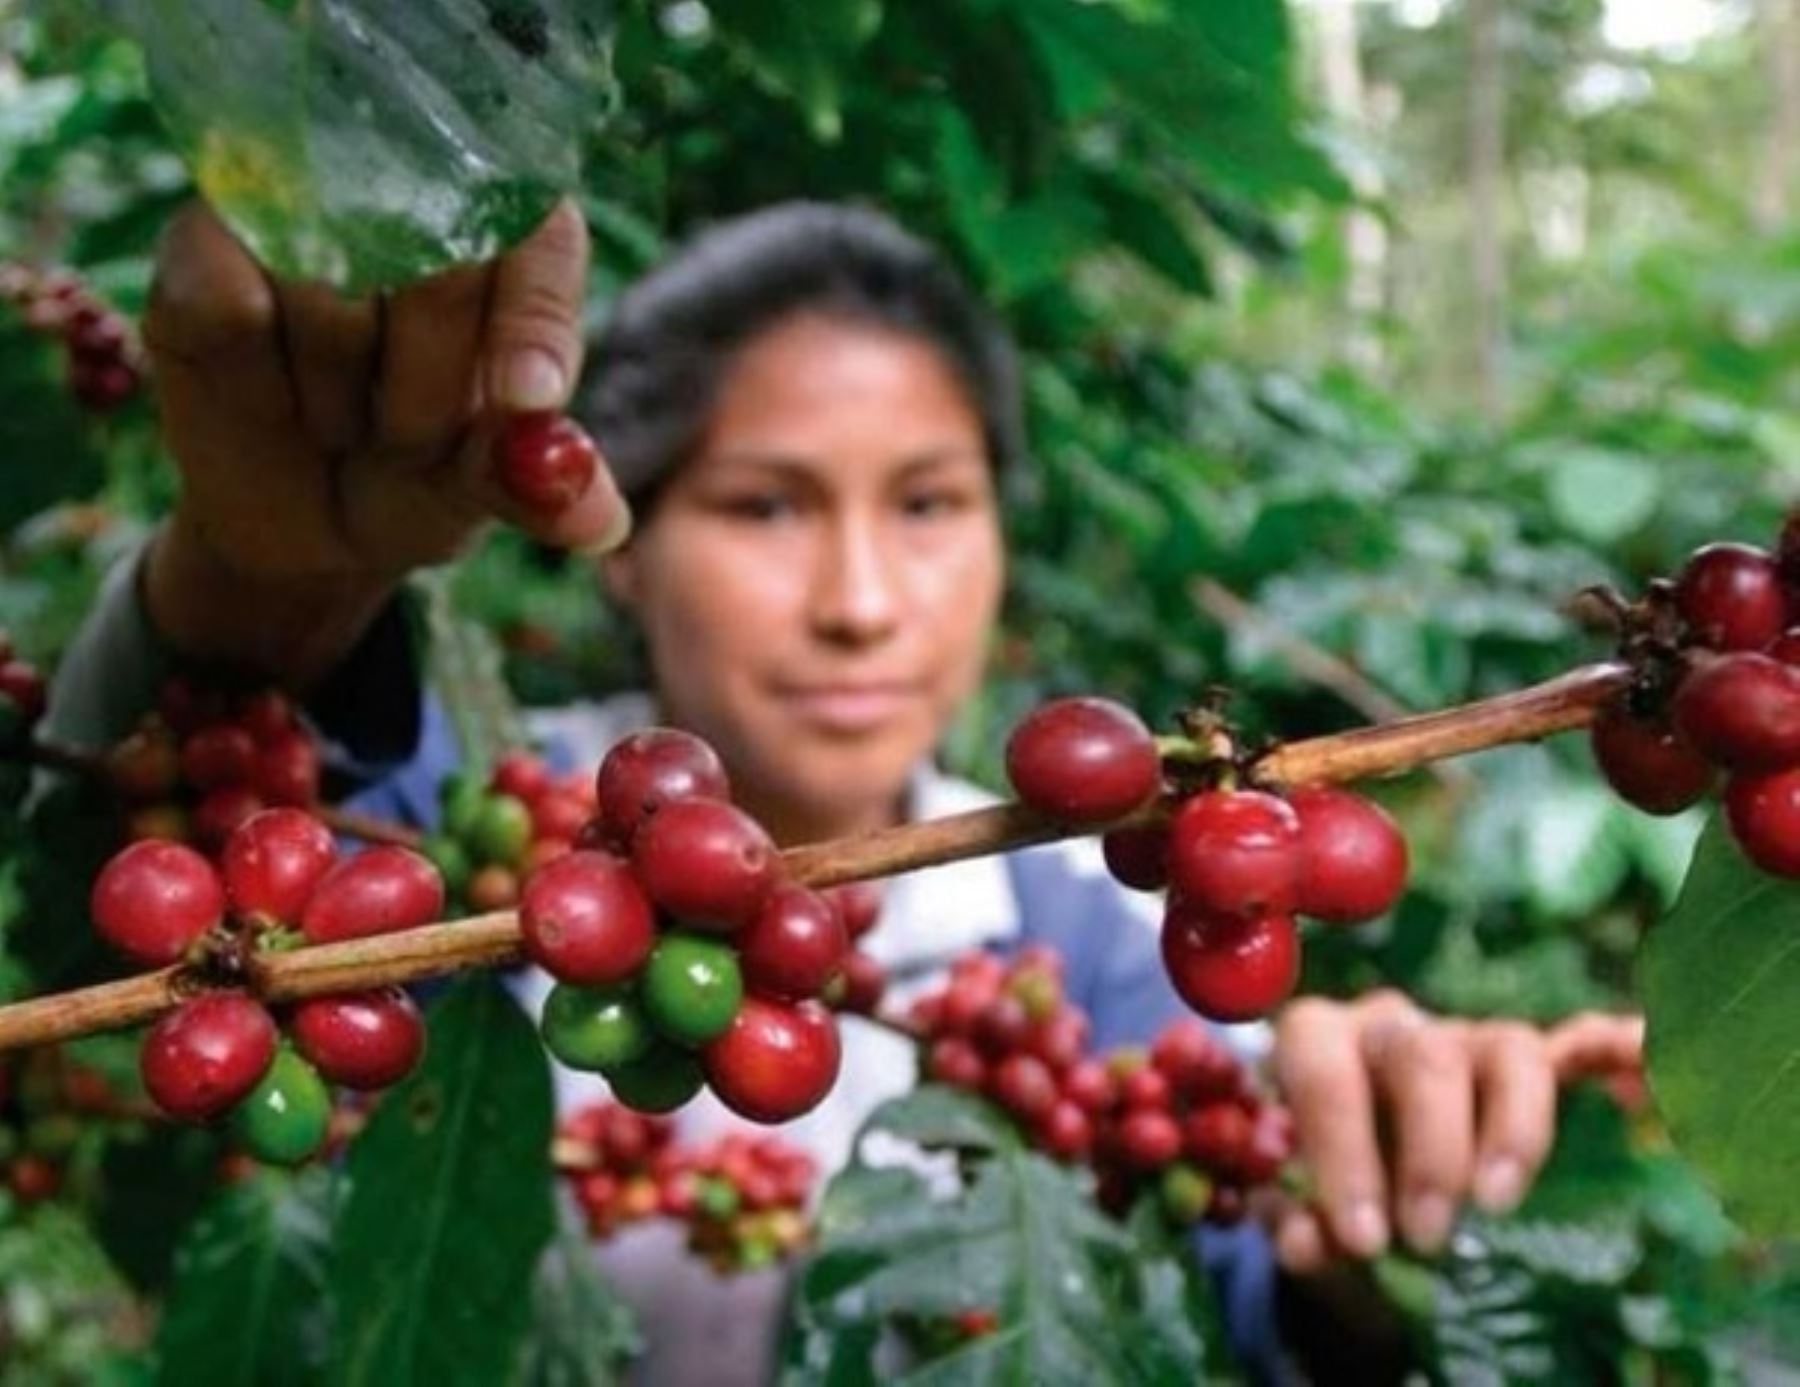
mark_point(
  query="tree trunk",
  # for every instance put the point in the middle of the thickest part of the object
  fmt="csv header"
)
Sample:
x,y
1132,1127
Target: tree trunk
x,y
1487,242
1778,25
1365,236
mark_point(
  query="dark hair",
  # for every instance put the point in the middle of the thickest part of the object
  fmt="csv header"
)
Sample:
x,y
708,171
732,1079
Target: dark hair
x,y
671,337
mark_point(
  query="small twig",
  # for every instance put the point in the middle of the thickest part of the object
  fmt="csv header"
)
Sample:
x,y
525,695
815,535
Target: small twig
x,y
493,940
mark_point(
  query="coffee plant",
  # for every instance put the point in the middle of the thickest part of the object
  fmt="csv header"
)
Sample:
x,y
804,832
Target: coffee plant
x,y
288,948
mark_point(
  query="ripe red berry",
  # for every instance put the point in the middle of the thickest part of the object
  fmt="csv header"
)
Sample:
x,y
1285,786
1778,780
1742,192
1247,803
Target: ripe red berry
x,y
555,814
705,862
1090,1085
650,769
776,1061
1742,711
287,769
953,1060
1148,1139
33,1178
1138,857
1060,1038
1218,1135
1229,968
1024,1086
1764,814
1730,596
1002,1026
1084,760
221,812
24,685
207,1054
153,900
546,461
218,755
377,891
1649,766
1194,1060
521,775
1785,647
1236,852
860,984
794,945
859,902
362,1040
266,715
1144,1088
274,862
1352,855
585,921
1066,1131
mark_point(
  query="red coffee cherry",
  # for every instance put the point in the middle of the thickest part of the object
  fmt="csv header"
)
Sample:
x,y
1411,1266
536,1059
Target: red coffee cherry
x,y
1138,857
1236,852
585,921
953,1060
362,1040
267,715
1066,1131
287,769
793,946
860,984
153,900
220,755
705,861
221,812
776,1061
1763,812
650,769
1352,855
1148,1139
1083,760
274,862
24,684
546,461
521,775
1230,968
1649,766
1730,596
379,890
859,903
1742,711
207,1054
1024,1086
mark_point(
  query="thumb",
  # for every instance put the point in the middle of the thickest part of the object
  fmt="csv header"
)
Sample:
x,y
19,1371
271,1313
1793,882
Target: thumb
x,y
532,349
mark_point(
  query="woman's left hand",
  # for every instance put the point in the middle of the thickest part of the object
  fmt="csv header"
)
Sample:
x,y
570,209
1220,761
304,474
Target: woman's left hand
x,y
1402,1116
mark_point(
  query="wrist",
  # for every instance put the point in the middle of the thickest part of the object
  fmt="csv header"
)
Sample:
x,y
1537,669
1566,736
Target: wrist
x,y
292,630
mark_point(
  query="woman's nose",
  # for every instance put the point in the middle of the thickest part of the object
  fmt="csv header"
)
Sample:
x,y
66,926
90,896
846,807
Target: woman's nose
x,y
856,593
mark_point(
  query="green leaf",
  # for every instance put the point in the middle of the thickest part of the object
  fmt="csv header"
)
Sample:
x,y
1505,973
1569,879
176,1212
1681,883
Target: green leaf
x,y
143,1236
367,144
1603,496
449,1206
1720,975
248,1304
1076,1297
1149,228
582,1335
803,48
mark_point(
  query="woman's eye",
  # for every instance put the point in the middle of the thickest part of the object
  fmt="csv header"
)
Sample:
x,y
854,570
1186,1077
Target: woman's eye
x,y
759,506
929,505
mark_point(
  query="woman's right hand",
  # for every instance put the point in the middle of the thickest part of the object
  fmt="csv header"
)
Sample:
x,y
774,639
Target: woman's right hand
x,y
328,446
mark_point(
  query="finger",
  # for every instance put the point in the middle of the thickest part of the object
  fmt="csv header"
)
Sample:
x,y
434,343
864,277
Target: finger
x,y
211,328
430,351
1592,1044
330,342
1426,1077
1301,1244
1321,1071
1516,1089
532,350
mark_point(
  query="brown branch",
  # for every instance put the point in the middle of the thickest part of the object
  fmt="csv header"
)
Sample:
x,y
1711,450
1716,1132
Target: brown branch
x,y
493,940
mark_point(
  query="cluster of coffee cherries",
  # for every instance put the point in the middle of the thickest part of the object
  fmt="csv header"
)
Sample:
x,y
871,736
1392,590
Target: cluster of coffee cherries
x,y
279,882
682,957
48,1101
103,362
1181,1118
205,761
1238,863
493,834
1718,692
742,1196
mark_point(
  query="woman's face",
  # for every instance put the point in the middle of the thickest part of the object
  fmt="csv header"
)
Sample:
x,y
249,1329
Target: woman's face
x,y
818,584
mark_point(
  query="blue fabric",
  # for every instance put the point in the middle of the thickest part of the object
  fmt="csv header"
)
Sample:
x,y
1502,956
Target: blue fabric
x,y
1112,969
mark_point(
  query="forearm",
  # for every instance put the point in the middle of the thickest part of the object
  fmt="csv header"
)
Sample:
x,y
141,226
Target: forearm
x,y
292,633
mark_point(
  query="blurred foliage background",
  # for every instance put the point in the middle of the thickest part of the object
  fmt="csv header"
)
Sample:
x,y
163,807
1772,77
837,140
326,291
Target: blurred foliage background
x,y
1359,336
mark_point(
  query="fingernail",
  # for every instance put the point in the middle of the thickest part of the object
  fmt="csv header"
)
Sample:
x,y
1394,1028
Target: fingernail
x,y
615,535
532,379
1427,1219
1499,1183
1363,1230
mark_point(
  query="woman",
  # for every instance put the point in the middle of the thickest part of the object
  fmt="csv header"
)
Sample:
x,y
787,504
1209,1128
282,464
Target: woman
x,y
806,415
